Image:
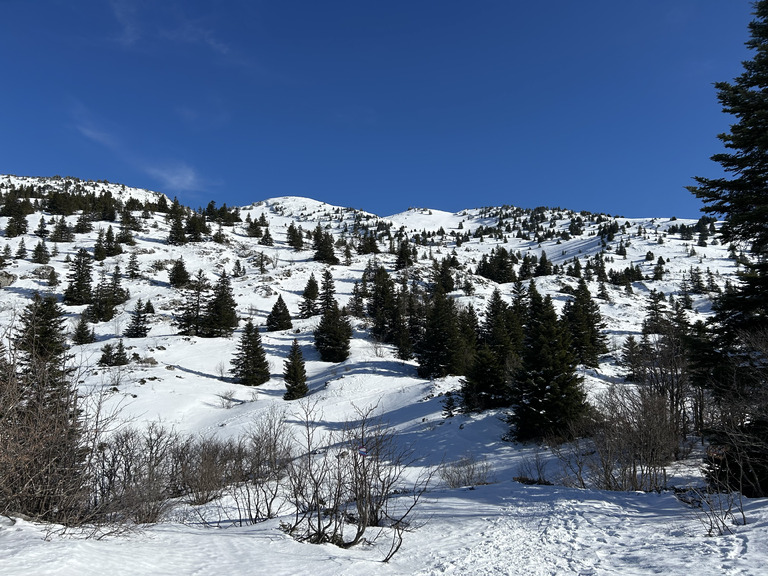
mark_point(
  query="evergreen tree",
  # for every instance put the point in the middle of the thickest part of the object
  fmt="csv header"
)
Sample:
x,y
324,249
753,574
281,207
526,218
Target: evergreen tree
x,y
295,374
42,230
327,294
221,310
740,195
42,343
546,394
333,334
99,249
83,223
83,334
279,318
249,364
404,256
632,359
133,267
17,225
108,294
324,252
469,331
382,306
111,247
113,355
40,254
139,326
356,305
735,367
177,235
53,278
78,290
487,382
436,352
178,277
308,304
191,318
21,251
295,237
62,231
266,238
585,324
46,479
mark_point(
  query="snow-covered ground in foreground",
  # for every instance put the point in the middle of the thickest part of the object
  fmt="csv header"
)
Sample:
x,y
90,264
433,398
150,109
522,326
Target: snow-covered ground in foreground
x,y
500,528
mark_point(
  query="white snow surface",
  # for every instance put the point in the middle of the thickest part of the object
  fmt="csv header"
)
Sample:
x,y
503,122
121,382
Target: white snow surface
x,y
500,528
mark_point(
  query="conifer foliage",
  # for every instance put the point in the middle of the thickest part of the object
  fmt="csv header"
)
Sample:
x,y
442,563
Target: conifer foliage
x,y
42,456
547,394
333,334
279,318
78,290
295,374
249,364
737,374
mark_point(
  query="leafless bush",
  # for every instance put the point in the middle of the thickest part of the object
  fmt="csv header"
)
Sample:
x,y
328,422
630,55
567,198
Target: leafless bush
x,y
466,471
136,474
206,468
227,399
342,483
715,510
634,441
574,457
532,470
263,461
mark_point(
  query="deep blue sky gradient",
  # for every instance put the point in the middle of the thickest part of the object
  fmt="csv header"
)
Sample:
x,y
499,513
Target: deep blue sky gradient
x,y
600,105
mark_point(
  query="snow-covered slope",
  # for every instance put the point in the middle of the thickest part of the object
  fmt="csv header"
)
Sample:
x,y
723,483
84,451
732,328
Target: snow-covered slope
x,y
501,528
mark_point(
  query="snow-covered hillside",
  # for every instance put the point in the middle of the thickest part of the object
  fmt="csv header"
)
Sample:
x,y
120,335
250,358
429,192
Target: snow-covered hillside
x,y
500,528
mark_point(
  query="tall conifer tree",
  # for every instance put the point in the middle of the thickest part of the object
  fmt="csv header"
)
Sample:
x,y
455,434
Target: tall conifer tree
x,y
249,365
295,374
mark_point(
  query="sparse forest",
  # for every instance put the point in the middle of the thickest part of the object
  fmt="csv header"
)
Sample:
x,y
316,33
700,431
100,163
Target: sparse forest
x,y
318,366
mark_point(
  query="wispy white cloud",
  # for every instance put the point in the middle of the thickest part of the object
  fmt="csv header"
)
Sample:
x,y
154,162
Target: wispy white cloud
x,y
176,176
99,136
166,21
179,177
86,123
187,31
209,113
125,12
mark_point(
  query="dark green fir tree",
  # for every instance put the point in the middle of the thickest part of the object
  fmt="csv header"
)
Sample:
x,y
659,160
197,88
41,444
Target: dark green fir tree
x,y
295,374
249,364
279,318
333,335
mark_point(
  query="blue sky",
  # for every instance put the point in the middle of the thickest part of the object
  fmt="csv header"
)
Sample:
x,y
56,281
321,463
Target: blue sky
x,y
598,105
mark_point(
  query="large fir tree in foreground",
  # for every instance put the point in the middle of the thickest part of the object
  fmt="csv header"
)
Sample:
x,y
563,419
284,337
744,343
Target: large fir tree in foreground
x,y
741,196
737,367
41,450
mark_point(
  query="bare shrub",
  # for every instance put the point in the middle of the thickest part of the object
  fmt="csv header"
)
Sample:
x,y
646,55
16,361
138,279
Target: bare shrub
x,y
205,467
135,474
227,399
262,463
343,482
634,441
466,471
532,470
